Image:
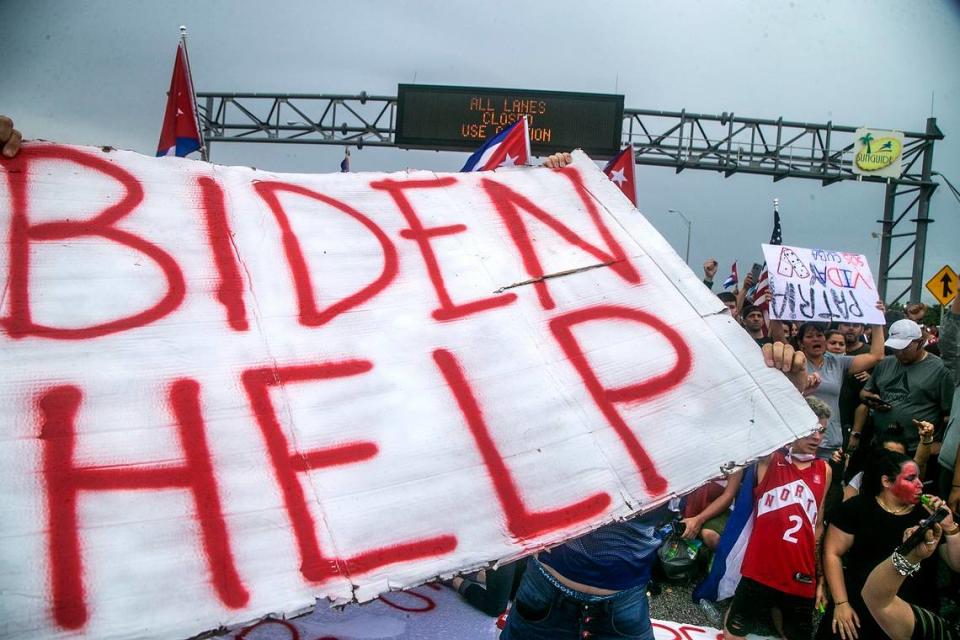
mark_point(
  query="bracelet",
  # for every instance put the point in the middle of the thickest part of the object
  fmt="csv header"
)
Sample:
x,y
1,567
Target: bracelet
x,y
930,441
855,434
837,604
956,486
903,566
952,532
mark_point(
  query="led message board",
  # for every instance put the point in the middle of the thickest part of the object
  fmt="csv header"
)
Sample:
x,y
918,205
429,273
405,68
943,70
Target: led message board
x,y
454,118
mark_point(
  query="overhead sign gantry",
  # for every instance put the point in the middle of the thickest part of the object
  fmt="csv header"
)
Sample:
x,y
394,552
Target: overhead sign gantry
x,y
681,140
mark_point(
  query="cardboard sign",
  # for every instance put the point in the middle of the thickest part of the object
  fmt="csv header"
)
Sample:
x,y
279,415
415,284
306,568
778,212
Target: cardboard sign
x,y
228,393
820,285
427,612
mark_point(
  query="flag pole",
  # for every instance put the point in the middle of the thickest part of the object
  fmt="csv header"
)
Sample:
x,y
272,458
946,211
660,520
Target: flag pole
x,y
526,135
193,94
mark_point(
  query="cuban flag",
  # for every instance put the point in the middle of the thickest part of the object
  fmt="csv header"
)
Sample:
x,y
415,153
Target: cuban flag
x,y
724,574
180,133
733,278
509,148
620,170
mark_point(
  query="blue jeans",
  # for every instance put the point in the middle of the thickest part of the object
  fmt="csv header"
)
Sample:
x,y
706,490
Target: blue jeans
x,y
545,610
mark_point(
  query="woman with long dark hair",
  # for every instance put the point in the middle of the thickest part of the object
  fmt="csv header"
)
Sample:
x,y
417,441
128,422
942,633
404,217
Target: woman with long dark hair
x,y
864,531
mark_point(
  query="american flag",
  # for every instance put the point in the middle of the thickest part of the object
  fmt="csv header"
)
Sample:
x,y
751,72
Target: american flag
x,y
763,286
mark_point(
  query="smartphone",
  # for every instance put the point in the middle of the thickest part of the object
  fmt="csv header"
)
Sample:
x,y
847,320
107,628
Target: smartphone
x,y
878,403
917,536
755,271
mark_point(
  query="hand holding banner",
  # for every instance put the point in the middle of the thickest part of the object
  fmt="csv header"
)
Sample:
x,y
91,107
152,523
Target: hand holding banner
x,y
230,392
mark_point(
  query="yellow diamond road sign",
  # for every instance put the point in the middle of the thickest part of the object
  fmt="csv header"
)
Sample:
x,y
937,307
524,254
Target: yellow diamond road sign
x,y
943,286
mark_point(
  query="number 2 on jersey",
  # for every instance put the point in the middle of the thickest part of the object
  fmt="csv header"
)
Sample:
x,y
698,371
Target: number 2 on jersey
x,y
788,534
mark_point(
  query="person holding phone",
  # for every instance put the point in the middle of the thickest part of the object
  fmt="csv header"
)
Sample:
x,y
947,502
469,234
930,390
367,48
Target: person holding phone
x,y
911,385
863,531
899,619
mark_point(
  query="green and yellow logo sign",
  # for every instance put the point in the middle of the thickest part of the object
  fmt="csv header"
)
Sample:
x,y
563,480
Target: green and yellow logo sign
x,y
877,152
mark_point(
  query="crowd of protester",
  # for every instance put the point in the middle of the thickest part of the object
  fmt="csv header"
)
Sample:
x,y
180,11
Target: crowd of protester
x,y
886,405
891,442
823,561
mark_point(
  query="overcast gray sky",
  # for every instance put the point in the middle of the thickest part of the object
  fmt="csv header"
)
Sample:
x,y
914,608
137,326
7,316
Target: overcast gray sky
x,y
96,73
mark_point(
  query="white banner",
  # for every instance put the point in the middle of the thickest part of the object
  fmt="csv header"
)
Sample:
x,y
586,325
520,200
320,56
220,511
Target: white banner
x,y
819,285
229,392
427,612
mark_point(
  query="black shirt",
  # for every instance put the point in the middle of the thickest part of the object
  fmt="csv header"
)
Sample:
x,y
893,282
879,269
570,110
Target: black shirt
x,y
876,534
850,392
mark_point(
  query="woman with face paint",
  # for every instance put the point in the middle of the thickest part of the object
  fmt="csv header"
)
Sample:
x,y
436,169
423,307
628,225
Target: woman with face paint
x,y
864,531
892,442
899,619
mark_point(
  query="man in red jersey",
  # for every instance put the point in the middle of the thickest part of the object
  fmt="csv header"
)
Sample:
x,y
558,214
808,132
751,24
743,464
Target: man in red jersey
x,y
780,564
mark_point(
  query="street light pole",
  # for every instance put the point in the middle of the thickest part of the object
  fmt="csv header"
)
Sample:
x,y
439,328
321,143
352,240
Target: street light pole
x,y
689,229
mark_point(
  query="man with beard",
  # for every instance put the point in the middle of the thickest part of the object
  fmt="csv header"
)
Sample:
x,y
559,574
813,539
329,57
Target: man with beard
x,y
752,319
853,337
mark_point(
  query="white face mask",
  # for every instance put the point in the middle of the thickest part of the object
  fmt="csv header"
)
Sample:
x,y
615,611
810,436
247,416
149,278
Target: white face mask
x,y
801,457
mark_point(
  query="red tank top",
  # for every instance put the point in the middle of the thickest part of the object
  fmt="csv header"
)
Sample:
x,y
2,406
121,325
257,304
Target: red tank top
x,y
782,546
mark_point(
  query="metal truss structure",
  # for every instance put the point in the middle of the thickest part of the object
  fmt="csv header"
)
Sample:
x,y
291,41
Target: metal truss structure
x,y
298,118
724,143
731,144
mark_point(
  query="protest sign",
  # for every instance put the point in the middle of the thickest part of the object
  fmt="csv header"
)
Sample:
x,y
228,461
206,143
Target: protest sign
x,y
229,392
820,285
